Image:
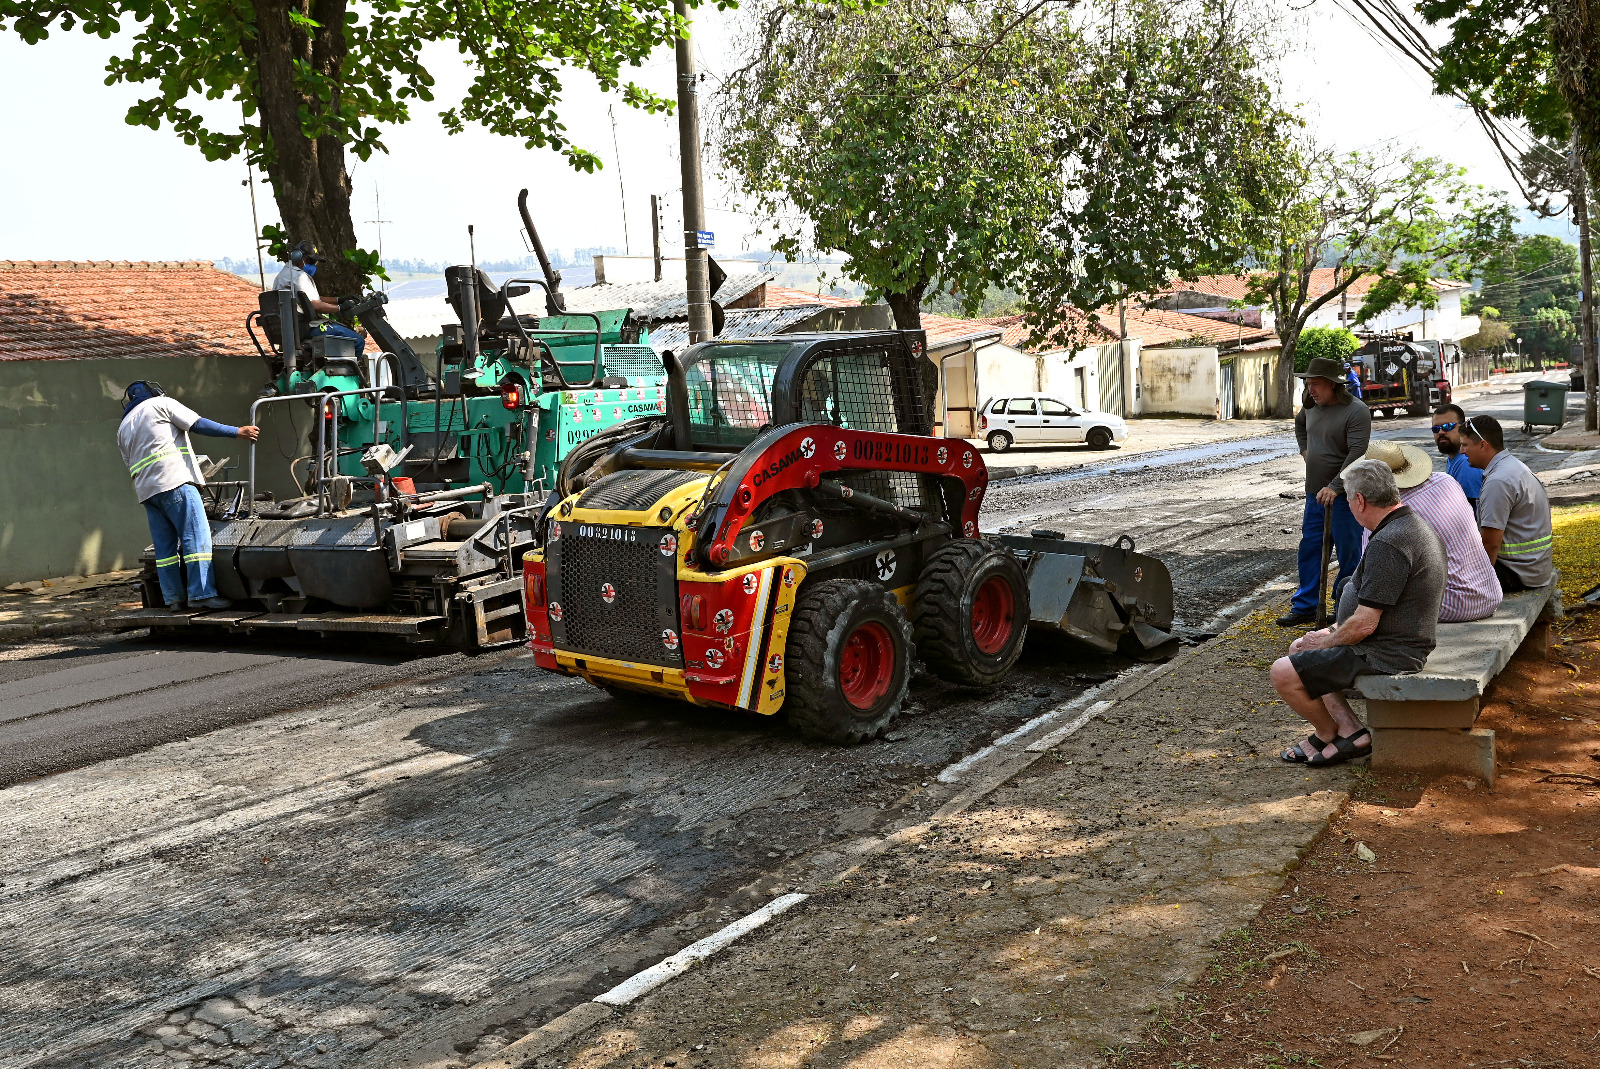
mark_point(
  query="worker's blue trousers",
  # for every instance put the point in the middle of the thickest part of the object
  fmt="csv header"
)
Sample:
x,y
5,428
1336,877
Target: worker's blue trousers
x,y
182,536
1346,538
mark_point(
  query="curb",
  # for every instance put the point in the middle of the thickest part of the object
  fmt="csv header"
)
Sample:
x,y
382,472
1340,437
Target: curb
x,y
11,634
1006,758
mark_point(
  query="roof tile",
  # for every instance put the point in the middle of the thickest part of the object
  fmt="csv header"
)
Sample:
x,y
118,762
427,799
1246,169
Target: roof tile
x,y
74,310
1233,287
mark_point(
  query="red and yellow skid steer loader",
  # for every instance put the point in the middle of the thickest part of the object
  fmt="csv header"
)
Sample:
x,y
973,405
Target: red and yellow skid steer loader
x,y
790,535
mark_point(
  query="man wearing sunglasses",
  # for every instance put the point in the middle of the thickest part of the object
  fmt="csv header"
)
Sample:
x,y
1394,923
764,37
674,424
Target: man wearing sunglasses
x,y
1447,423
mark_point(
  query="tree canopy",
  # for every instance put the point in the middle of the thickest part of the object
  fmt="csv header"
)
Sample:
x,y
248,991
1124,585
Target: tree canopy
x,y
1071,154
1395,217
1533,284
1531,62
316,79
907,135
1331,343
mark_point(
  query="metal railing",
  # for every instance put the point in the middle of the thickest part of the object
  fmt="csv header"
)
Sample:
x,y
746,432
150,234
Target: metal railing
x,y
322,429
320,400
250,506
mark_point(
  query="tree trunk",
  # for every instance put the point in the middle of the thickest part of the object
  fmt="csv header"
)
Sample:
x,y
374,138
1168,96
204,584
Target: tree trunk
x,y
307,174
907,306
1284,408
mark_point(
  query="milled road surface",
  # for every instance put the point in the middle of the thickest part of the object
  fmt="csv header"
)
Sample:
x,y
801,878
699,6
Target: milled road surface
x,y
410,875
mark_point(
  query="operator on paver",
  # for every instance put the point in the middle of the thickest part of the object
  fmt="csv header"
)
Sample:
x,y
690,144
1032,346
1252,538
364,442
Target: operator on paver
x,y
154,439
297,274
1333,430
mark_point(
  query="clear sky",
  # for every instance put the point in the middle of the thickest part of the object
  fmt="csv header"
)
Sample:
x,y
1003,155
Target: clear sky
x,y
78,183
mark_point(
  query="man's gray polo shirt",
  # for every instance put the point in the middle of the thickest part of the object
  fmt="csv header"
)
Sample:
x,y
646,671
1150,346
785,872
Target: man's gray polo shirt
x,y
1402,573
1513,501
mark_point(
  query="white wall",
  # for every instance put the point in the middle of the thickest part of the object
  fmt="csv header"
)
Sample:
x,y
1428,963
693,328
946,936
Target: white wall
x,y
1003,370
1179,382
1445,321
1073,377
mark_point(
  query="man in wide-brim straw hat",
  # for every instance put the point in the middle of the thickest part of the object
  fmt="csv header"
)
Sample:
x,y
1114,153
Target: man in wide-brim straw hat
x,y
1333,432
1471,591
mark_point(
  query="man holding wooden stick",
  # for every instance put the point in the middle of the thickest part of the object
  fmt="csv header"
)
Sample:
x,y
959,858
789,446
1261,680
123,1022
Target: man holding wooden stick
x,y
1332,430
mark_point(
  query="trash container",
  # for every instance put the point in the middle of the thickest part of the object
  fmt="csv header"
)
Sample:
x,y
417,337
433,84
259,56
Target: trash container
x,y
1544,404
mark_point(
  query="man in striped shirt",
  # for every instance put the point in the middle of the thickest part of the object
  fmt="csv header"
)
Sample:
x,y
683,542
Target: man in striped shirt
x,y
1471,591
1513,510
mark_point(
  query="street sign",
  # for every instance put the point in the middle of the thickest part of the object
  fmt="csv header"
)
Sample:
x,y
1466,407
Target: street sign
x,y
705,239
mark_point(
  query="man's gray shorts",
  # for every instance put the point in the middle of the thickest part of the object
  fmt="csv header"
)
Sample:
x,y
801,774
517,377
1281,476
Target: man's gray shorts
x,y
1329,671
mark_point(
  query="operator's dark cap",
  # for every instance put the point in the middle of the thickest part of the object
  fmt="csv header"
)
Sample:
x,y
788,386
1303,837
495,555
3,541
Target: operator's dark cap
x,y
1322,368
308,253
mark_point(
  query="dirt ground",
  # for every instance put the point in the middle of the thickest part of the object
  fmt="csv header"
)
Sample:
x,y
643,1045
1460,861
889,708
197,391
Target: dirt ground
x,y
1471,939
66,605
1036,928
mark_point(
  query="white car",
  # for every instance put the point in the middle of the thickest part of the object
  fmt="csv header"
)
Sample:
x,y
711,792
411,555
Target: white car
x,y
1037,417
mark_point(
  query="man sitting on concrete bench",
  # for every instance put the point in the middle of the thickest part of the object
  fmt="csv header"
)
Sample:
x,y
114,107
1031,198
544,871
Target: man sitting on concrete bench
x,y
1471,591
1387,619
1513,510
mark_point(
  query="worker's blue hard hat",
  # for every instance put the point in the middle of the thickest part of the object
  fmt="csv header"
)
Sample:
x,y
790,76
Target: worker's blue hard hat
x,y
139,392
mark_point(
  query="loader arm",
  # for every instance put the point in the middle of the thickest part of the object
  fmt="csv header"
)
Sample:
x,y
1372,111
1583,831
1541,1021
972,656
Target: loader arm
x,y
413,376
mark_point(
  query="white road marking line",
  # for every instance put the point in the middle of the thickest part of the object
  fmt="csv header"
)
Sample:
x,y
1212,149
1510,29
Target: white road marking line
x,y
1227,611
1066,731
955,772
647,980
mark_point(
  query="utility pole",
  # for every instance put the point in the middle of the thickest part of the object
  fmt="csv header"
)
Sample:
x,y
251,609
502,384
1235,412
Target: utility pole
x,y
377,210
622,192
250,180
695,266
1580,216
655,232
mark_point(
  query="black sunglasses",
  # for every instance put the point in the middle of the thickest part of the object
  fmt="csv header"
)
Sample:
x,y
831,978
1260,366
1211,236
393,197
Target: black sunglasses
x,y
1444,428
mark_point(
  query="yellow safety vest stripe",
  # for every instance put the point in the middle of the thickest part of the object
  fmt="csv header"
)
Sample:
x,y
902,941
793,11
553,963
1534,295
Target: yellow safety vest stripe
x,y
156,457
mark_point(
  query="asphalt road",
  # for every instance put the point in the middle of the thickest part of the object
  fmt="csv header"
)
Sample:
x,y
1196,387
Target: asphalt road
x,y
416,859
67,704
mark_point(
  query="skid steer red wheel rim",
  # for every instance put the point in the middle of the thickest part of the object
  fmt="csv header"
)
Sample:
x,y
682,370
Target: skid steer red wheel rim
x,y
994,615
866,665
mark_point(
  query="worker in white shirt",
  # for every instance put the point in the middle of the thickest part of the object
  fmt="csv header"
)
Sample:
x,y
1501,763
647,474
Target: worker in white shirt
x,y
154,439
298,274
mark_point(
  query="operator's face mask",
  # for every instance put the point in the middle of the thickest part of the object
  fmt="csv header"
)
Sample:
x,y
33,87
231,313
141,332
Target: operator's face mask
x,y
310,269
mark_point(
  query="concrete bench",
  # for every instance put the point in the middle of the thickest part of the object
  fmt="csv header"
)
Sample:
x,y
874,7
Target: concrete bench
x,y
1425,720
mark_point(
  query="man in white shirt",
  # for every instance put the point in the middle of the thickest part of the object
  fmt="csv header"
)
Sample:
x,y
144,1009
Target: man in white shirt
x,y
154,440
298,274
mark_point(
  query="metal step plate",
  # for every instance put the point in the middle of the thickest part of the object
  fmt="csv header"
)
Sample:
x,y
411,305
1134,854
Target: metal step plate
x,y
381,623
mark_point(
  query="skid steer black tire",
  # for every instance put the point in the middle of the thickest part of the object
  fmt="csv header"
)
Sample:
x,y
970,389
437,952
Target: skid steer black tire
x,y
849,661
970,613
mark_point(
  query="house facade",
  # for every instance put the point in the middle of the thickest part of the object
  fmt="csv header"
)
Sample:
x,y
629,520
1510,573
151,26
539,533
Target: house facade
x,y
1218,295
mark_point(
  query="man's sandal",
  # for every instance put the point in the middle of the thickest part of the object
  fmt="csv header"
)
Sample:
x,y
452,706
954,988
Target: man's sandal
x,y
1300,752
1347,750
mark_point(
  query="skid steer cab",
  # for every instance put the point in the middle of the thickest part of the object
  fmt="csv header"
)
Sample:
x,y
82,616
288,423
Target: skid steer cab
x,y
790,534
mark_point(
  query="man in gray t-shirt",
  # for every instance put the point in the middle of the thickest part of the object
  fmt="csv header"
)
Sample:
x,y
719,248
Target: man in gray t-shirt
x,y
1513,509
1387,620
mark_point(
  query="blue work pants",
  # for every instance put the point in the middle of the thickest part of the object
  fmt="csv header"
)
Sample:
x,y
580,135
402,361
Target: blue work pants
x,y
182,536
1346,537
